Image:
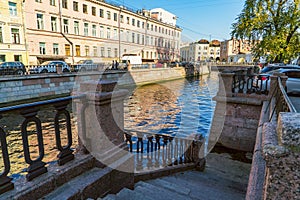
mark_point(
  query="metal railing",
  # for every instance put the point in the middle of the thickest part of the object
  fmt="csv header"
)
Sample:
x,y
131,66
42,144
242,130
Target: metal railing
x,y
249,83
282,101
34,147
157,151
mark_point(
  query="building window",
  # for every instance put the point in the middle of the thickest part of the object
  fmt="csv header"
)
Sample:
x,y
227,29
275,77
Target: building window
x,y
84,8
94,11
86,29
55,49
132,37
65,4
109,52
133,22
102,52
67,50
138,23
101,32
101,13
42,48
75,5
38,1
108,33
94,30
1,35
95,51
66,26
108,14
138,38
2,58
143,24
40,21
87,50
52,2
143,39
77,49
12,8
115,17
151,27
115,34
15,36
127,20
116,52
76,27
53,24
122,18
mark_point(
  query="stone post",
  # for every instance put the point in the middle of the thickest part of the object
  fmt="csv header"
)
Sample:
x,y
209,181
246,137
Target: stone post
x,y
102,134
274,83
59,69
225,84
282,154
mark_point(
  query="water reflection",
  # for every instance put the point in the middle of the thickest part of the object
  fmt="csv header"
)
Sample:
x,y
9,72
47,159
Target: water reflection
x,y
181,107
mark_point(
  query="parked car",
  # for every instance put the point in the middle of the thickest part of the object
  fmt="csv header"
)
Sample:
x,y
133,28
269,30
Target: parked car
x,y
16,67
292,83
51,66
276,66
84,65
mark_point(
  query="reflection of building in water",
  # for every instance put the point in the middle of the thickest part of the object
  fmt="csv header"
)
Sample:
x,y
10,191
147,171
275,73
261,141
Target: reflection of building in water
x,y
151,106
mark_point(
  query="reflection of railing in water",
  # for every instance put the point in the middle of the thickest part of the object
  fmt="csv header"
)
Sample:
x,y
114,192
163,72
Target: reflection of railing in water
x,y
62,123
250,83
156,151
282,101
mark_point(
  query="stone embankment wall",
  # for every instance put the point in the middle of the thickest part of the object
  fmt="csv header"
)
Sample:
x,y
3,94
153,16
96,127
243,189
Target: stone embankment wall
x,y
281,151
43,85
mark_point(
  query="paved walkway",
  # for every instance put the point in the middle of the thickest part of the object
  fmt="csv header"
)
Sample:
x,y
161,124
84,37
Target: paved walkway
x,y
295,102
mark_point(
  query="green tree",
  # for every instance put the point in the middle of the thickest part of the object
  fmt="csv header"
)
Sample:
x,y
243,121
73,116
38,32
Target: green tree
x,y
272,26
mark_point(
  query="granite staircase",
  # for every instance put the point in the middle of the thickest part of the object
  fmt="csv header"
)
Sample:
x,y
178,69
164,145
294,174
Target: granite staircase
x,y
218,181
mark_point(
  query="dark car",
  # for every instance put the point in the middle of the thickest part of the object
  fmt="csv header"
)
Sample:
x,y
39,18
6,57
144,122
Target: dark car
x,y
8,68
276,66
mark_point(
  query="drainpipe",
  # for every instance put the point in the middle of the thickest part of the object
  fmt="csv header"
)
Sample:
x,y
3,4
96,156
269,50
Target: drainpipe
x,y
24,33
119,27
61,31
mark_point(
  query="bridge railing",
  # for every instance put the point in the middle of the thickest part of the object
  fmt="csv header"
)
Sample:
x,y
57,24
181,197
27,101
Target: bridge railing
x,y
157,151
32,147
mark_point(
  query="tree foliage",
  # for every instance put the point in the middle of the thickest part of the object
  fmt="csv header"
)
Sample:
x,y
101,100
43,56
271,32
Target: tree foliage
x,y
272,26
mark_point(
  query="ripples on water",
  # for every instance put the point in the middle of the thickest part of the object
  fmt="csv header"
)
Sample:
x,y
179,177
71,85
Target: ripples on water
x,y
181,107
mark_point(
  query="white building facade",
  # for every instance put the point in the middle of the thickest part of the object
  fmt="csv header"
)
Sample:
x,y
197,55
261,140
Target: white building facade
x,y
73,30
200,51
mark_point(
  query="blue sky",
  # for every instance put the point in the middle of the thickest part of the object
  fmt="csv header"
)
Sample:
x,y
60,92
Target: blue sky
x,y
208,19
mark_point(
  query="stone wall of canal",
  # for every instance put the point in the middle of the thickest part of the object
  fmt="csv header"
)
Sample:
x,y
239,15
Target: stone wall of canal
x,y
47,85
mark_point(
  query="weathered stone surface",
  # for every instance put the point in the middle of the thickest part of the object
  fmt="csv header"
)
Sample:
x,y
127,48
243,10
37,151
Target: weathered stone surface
x,y
289,129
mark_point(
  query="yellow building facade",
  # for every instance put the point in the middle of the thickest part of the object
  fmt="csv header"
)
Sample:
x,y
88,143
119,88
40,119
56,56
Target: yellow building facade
x,y
12,32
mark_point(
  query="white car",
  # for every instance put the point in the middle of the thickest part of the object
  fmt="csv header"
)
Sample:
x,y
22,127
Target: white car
x,y
50,66
292,83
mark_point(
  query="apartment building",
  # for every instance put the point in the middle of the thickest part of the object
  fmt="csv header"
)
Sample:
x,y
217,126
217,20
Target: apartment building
x,y
202,50
12,37
235,50
73,30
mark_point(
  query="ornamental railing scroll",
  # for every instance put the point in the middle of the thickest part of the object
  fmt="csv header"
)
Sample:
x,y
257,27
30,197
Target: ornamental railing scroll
x,y
29,112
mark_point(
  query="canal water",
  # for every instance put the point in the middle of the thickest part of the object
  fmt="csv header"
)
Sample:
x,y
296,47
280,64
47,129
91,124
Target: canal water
x,y
179,108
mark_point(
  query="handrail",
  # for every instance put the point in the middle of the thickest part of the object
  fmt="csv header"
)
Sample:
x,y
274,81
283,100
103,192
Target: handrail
x,y
39,103
285,96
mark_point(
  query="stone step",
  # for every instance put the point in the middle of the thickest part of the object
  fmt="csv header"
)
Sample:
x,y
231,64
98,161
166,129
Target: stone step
x,y
158,192
87,185
162,183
